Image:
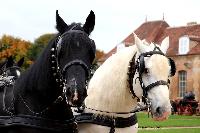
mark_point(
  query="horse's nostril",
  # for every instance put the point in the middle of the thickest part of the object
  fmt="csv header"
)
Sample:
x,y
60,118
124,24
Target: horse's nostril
x,y
158,110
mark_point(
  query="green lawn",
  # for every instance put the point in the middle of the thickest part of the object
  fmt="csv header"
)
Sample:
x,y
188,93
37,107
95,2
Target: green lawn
x,y
193,130
173,121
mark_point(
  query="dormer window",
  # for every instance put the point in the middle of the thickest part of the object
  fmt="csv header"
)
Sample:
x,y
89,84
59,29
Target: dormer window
x,y
120,46
183,45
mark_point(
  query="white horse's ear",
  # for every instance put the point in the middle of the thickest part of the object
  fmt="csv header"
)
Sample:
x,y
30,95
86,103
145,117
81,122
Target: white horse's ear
x,y
165,45
145,42
140,45
152,46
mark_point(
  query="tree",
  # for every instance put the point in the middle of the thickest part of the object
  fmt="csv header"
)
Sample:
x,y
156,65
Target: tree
x,y
39,44
99,54
14,46
95,65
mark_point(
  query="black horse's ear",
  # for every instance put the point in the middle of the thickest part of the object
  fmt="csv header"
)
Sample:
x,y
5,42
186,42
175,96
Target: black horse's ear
x,y
9,62
90,22
20,62
61,26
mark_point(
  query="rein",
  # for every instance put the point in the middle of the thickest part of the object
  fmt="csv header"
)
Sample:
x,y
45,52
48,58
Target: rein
x,y
141,108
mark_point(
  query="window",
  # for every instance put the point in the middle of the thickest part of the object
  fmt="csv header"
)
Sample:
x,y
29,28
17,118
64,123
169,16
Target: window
x,y
120,46
183,45
182,83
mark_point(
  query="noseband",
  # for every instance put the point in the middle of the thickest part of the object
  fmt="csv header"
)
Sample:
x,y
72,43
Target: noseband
x,y
77,62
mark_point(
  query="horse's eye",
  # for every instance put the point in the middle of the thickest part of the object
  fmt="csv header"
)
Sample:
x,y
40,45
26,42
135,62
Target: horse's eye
x,y
146,70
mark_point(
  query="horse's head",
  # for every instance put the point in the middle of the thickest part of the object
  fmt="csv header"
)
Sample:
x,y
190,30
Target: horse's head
x,y
153,72
10,68
75,52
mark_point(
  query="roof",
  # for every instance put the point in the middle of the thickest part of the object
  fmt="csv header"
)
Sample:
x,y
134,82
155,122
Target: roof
x,y
106,56
192,31
156,31
148,31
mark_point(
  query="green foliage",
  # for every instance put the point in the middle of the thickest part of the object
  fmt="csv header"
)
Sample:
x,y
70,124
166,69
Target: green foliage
x,y
39,44
44,39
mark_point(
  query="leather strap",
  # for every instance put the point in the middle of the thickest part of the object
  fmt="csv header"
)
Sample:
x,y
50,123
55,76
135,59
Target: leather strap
x,y
38,122
108,121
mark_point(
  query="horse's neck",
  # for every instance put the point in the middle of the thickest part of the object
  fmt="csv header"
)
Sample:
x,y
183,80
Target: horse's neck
x,y
37,81
108,89
38,89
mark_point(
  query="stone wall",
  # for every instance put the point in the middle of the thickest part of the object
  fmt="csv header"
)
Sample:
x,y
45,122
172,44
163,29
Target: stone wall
x,y
190,64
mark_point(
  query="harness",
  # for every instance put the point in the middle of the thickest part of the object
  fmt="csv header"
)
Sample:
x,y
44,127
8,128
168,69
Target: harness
x,y
112,122
9,119
38,123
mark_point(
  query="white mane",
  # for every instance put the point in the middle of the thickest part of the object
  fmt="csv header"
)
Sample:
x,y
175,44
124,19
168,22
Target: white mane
x,y
114,94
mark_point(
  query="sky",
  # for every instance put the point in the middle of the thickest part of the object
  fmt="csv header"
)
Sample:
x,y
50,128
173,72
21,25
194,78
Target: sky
x,y
115,19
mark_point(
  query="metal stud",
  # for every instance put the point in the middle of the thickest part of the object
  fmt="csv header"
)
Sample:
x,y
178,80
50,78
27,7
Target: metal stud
x,y
54,74
64,89
57,80
52,55
52,49
53,68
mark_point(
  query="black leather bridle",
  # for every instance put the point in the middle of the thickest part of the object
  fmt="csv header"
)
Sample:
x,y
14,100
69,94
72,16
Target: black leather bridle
x,y
139,67
57,73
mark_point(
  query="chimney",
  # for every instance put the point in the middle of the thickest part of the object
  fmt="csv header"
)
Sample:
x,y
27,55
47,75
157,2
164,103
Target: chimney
x,y
191,23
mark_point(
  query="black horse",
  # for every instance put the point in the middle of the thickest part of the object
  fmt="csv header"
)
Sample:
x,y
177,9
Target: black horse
x,y
11,68
44,94
9,72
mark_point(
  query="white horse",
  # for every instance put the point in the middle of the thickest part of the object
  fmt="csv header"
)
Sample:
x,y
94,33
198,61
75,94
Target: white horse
x,y
109,91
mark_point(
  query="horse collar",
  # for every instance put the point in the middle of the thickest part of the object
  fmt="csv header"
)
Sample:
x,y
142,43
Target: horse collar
x,y
105,120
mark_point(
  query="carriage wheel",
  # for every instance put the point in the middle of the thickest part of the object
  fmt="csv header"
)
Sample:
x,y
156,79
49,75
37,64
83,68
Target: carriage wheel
x,y
188,110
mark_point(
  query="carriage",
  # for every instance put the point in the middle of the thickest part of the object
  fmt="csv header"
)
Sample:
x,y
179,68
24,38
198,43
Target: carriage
x,y
185,106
